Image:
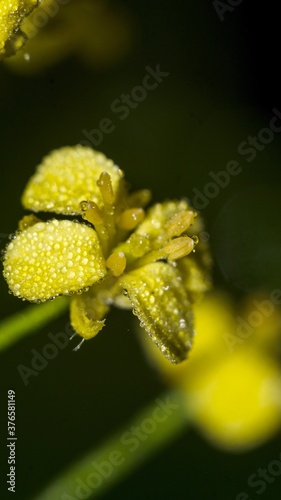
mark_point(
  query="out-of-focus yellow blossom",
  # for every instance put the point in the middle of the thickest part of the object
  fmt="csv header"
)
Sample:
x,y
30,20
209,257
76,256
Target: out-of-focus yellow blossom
x,y
233,390
97,33
120,254
262,322
12,14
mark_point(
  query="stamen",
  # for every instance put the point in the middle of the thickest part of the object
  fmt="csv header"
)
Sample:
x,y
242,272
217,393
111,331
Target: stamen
x,y
130,218
91,212
179,223
148,258
116,262
179,247
105,185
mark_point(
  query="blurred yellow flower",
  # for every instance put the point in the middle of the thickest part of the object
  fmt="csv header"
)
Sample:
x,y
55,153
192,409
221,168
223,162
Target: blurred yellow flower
x,y
119,255
94,31
12,14
232,390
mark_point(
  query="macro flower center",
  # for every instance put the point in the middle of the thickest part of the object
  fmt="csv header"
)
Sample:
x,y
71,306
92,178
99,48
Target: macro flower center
x,y
111,224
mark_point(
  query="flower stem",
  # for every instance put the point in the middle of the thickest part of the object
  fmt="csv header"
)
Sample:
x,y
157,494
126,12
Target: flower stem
x,y
29,320
95,473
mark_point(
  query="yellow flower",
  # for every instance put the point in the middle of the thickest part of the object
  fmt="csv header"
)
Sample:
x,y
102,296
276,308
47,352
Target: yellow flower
x,y
12,14
232,390
118,255
95,32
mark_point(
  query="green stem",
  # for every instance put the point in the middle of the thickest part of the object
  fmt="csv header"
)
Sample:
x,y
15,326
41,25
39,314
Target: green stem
x,y
96,472
29,320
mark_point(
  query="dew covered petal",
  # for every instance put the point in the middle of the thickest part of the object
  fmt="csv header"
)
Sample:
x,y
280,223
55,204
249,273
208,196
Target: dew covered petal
x,y
12,13
87,314
68,176
196,276
162,306
53,258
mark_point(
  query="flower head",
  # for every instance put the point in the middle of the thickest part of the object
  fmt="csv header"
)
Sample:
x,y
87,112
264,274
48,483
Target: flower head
x,y
116,253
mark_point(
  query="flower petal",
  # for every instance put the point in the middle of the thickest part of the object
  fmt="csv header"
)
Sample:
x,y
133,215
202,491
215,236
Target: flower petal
x,y
53,258
161,303
236,402
12,12
66,177
86,314
196,277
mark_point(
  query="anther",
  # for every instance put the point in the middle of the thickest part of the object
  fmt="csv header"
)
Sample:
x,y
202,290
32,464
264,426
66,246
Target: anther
x,y
130,218
91,212
179,247
179,223
139,198
105,185
116,262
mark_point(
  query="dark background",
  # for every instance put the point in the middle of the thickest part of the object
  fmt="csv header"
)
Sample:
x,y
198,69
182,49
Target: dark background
x,y
224,81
